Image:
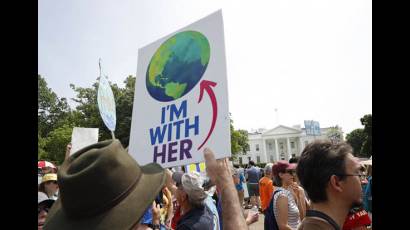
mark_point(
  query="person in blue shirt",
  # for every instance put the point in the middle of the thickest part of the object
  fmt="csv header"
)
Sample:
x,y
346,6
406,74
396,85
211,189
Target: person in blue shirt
x,y
367,199
239,179
253,177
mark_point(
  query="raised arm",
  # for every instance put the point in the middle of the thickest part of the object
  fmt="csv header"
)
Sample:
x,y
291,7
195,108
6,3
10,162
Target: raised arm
x,y
218,171
67,151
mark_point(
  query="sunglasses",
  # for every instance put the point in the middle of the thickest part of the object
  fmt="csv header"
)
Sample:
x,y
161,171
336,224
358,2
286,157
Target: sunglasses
x,y
291,171
52,181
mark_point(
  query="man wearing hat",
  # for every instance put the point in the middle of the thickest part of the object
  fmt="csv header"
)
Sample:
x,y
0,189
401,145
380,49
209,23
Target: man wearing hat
x,y
103,187
44,204
191,195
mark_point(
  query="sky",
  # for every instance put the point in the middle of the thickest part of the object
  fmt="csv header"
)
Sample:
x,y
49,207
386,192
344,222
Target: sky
x,y
306,59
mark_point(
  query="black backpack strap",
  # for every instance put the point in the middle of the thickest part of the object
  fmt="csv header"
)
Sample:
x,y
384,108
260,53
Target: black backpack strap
x,y
314,213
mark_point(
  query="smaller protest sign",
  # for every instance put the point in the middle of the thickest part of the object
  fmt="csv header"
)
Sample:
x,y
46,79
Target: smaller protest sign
x,y
82,137
106,103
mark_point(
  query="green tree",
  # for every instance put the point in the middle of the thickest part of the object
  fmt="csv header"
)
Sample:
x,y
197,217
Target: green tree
x,y
239,141
56,143
356,138
125,103
42,154
52,110
87,113
366,149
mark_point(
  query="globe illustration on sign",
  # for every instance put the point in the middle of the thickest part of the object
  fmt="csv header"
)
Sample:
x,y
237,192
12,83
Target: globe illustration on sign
x,y
177,66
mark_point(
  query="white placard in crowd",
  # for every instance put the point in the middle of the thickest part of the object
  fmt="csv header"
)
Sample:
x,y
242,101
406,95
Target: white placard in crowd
x,y
181,99
82,137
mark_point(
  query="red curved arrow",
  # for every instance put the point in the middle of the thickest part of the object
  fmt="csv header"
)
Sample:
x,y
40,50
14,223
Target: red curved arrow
x,y
207,85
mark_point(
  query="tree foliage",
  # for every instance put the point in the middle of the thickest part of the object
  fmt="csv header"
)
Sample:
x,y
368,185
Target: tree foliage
x,y
239,141
356,138
361,139
56,143
56,119
42,154
88,114
367,145
52,110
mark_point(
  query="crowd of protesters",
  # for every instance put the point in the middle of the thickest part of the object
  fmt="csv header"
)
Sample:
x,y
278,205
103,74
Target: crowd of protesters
x,y
103,187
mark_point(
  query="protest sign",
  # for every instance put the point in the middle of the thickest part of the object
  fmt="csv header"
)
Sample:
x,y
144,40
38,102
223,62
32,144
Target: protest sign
x,y
181,99
82,137
106,103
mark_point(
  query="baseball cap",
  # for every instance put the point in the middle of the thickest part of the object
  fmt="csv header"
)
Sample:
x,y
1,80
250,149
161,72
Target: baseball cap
x,y
191,183
281,166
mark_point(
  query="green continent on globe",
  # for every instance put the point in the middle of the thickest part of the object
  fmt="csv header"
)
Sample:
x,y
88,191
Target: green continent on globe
x,y
177,65
174,89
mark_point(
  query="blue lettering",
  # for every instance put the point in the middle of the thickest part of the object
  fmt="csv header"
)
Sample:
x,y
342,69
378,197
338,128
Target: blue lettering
x,y
178,125
162,154
184,150
172,151
174,110
169,131
159,134
163,115
188,126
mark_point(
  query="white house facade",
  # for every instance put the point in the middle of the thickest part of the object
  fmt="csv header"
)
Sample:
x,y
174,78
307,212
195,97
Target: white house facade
x,y
282,143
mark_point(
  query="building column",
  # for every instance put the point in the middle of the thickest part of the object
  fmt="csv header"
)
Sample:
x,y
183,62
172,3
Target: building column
x,y
265,151
289,149
301,147
276,149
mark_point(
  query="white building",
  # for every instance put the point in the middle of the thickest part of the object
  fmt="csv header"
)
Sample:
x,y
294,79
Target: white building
x,y
282,143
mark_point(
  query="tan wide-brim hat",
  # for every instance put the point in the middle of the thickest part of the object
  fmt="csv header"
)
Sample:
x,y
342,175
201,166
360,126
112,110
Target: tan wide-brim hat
x,y
103,187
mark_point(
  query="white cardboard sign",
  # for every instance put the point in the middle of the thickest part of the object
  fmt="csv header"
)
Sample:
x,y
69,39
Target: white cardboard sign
x,y
82,137
181,98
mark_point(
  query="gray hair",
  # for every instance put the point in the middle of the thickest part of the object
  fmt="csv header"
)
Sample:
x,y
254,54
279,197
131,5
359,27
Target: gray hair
x,y
268,168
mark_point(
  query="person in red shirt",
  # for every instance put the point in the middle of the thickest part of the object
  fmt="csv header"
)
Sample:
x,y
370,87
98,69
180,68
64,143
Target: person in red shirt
x,y
357,220
266,187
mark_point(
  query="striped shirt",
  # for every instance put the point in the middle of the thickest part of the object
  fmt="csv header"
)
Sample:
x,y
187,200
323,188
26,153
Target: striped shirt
x,y
293,211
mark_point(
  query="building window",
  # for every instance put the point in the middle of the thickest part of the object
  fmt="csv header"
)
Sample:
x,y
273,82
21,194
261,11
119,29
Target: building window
x,y
292,144
240,160
258,159
249,159
271,158
306,143
270,146
257,147
281,146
